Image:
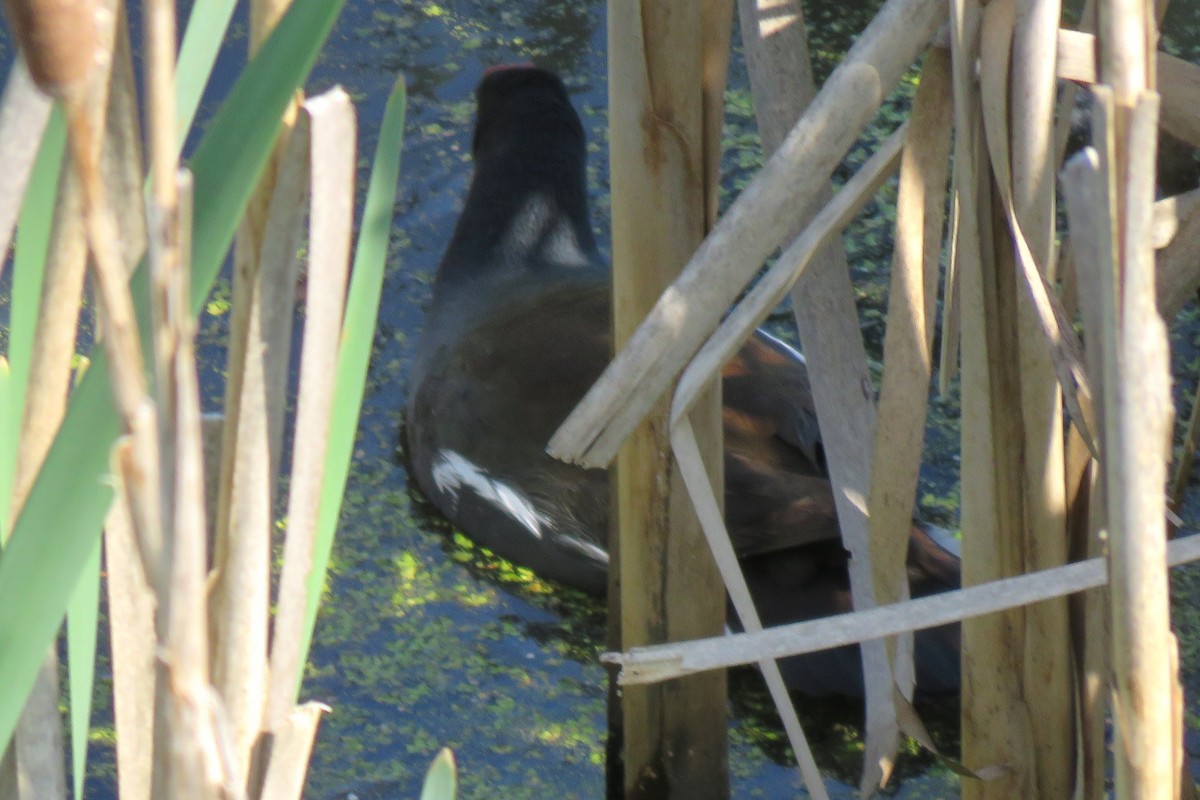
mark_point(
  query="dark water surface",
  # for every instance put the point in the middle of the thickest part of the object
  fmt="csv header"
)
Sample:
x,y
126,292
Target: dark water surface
x,y
426,642
423,641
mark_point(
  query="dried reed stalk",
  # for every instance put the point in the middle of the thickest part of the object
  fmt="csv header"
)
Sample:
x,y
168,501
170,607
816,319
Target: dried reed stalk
x,y
1138,411
131,605
181,764
995,723
1091,231
1047,682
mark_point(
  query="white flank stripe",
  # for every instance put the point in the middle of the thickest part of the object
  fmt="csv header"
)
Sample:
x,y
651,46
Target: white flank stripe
x,y
452,472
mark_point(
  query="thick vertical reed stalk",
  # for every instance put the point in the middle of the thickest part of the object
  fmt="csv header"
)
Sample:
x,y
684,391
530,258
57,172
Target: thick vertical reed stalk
x,y
663,78
1138,409
995,723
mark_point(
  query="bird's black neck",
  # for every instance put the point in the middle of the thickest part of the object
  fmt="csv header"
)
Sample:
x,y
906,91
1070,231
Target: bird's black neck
x,y
527,208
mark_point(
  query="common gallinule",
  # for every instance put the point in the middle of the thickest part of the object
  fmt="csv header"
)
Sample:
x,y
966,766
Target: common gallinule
x,y
519,328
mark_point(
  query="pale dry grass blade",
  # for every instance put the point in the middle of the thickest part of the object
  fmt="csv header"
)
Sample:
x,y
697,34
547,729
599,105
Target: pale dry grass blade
x,y
240,595
708,509
357,334
1057,332
1066,353
827,321
331,219
1047,681
279,271
907,344
823,304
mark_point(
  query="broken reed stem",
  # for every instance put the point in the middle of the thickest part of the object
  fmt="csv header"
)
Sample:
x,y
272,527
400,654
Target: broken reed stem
x,y
755,224
160,81
663,73
167,278
665,662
